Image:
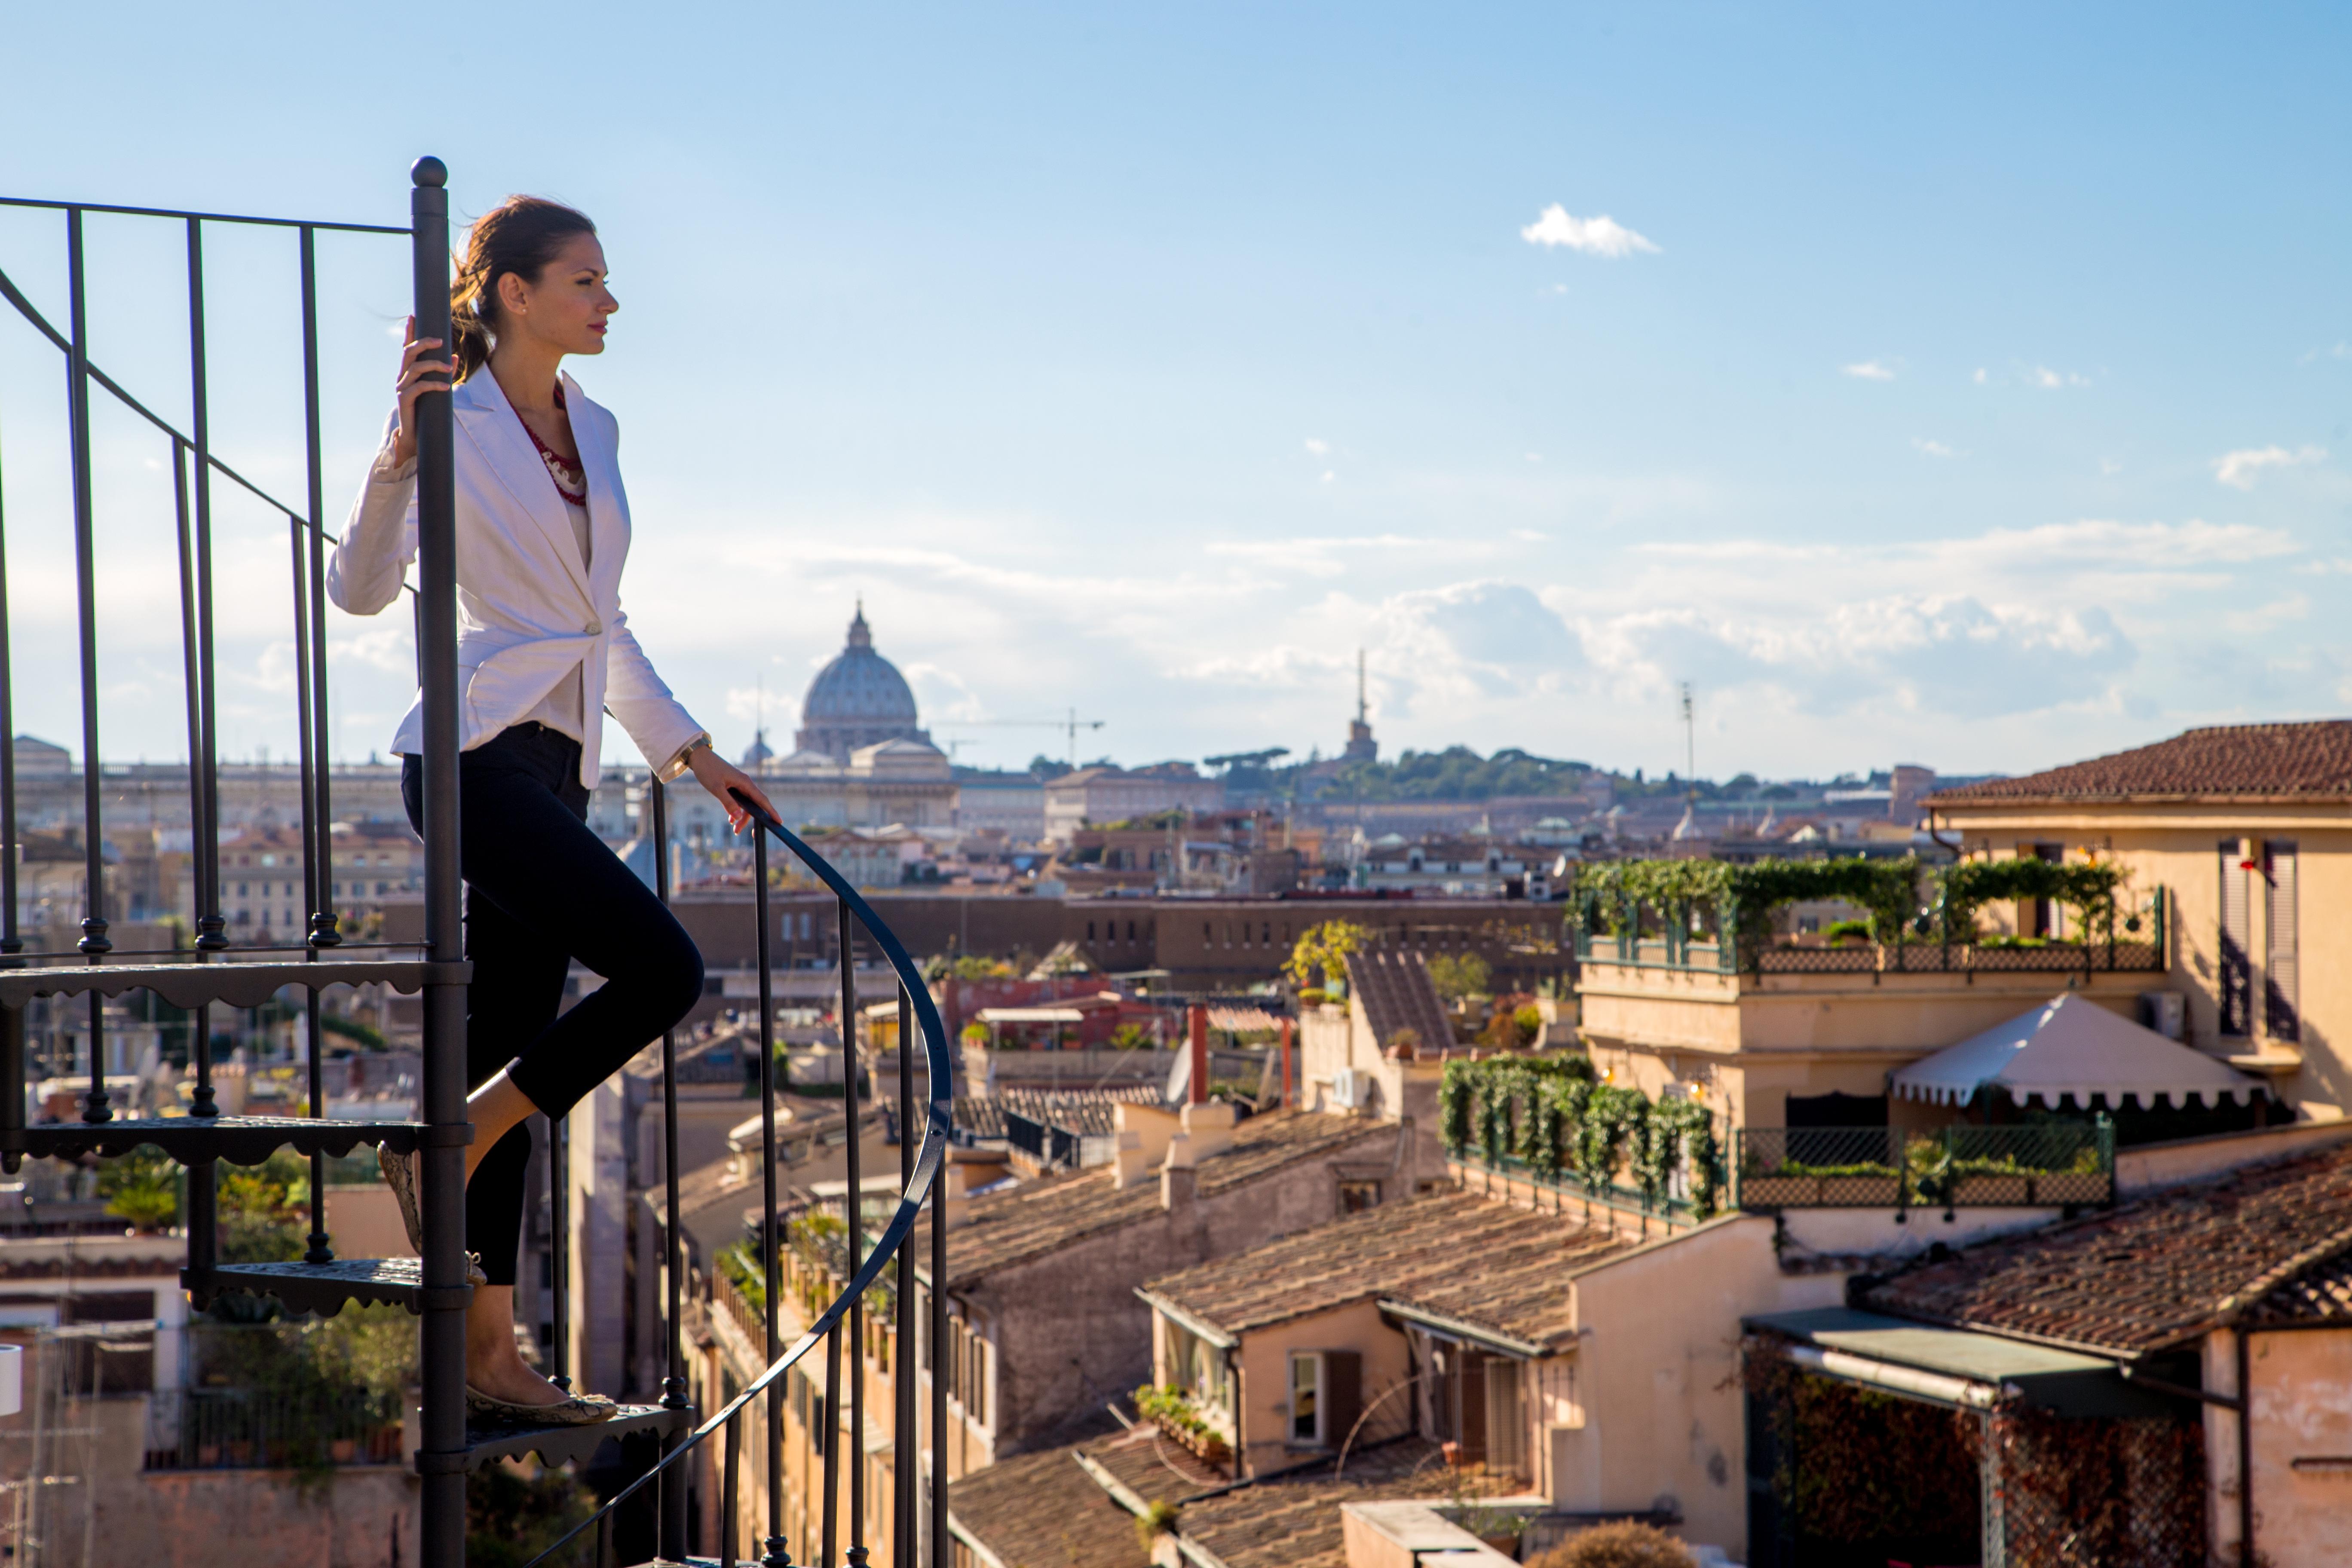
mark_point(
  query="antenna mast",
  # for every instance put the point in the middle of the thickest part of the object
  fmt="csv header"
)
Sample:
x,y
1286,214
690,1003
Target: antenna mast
x,y
1690,743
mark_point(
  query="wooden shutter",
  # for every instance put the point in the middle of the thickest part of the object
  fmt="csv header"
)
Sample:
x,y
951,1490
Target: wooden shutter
x,y
2282,989
1343,1394
1470,1384
1504,1430
2236,995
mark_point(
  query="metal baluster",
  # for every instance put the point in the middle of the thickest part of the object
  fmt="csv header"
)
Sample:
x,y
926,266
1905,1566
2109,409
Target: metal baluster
x,y
325,928
856,1203
902,1372
93,944
313,883
829,1448
210,934
441,1458
942,1554
730,1493
11,942
559,1249
204,1237
776,1554
12,1019
673,1491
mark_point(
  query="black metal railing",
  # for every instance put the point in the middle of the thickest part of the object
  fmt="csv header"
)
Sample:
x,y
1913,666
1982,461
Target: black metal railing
x,y
2047,1164
915,1504
217,971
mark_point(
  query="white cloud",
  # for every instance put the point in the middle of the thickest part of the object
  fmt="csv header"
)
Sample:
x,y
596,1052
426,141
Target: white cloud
x,y
1317,447
1602,236
1329,476
2241,468
1979,377
1935,448
2111,465
1871,369
2043,376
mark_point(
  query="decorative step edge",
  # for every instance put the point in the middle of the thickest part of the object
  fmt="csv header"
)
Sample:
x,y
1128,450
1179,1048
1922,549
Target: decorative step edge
x,y
238,1140
193,984
558,1445
322,1287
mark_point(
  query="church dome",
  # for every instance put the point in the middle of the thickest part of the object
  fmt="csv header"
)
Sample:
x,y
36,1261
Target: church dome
x,y
857,699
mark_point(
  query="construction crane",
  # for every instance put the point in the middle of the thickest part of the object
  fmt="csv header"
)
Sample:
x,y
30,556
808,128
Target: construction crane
x,y
1071,724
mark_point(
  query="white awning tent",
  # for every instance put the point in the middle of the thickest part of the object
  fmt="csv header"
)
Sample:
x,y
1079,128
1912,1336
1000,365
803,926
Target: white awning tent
x,y
2073,1045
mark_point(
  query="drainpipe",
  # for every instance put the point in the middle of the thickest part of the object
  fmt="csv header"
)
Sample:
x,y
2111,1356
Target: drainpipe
x,y
2246,1448
1196,1019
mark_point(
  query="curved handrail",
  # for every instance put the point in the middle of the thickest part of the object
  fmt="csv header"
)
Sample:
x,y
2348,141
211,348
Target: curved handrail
x,y
938,1121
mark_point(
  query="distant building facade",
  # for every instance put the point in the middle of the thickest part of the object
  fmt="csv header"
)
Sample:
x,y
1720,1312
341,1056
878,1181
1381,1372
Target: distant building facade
x,y
1100,795
1009,803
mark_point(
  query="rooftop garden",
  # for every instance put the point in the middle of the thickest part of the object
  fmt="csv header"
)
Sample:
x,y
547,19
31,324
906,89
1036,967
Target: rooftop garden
x,y
1554,1115
1904,902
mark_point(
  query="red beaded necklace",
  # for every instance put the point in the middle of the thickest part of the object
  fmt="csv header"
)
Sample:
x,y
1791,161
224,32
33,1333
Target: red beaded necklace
x,y
571,480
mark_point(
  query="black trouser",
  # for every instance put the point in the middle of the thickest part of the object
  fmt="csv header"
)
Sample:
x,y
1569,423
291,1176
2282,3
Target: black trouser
x,y
541,890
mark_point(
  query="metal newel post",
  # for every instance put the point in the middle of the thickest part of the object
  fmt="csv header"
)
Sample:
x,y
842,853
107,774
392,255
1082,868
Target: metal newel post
x,y
441,1458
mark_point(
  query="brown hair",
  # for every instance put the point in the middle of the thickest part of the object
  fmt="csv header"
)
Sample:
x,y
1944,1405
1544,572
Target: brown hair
x,y
521,235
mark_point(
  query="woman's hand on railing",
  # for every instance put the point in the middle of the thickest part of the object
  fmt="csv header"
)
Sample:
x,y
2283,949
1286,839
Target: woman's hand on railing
x,y
421,370
730,785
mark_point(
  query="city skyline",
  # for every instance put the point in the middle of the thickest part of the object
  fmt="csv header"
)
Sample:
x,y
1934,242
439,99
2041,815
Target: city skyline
x,y
1911,393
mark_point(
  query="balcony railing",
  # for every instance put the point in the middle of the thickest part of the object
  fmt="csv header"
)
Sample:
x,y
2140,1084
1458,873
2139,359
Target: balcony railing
x,y
236,1429
1695,955
228,1427
2054,1164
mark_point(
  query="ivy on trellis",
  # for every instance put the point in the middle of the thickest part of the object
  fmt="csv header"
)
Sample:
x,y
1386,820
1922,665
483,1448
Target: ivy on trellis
x,y
1552,1114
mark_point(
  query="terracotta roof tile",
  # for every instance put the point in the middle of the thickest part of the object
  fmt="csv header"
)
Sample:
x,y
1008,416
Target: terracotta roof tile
x,y
2158,1271
1455,1254
1025,1222
2307,760
1293,1522
1042,1510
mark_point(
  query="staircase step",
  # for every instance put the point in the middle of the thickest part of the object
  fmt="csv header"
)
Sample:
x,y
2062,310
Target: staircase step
x,y
188,983
556,1445
238,1140
321,1287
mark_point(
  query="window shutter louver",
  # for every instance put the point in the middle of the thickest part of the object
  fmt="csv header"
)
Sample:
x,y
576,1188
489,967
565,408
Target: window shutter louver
x,y
2282,990
2236,994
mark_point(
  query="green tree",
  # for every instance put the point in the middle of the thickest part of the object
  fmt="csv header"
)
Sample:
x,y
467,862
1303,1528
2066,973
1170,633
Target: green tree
x,y
1324,948
1459,976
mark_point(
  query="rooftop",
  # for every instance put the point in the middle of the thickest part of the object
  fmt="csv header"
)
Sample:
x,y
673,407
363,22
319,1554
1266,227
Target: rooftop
x,y
1293,1520
2305,761
1417,1255
1043,1510
2272,1241
1398,994
1003,1229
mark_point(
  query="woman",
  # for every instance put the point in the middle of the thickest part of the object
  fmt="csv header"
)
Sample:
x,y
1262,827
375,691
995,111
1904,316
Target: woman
x,y
543,651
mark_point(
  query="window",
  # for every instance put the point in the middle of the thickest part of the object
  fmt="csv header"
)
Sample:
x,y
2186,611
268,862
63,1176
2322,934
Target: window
x,y
1307,1398
2280,987
1355,1197
2237,980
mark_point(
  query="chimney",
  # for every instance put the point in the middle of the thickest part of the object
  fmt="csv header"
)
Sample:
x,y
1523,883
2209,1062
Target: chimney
x,y
1282,1091
1176,1186
1197,1020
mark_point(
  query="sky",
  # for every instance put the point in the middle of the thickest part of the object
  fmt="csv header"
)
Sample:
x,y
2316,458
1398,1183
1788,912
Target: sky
x,y
1963,387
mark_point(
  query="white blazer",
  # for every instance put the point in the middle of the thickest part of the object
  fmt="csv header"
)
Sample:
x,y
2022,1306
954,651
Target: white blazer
x,y
529,610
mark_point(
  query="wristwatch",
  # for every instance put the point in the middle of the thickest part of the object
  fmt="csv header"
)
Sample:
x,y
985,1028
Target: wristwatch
x,y
683,757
